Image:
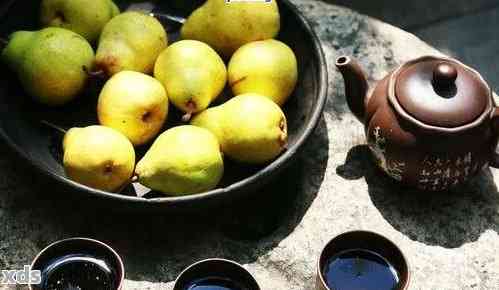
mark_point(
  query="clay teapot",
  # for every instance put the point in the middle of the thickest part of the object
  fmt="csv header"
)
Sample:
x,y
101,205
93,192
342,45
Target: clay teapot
x,y
431,123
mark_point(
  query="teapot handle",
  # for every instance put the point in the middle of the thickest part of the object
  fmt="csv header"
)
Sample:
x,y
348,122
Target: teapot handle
x,y
494,160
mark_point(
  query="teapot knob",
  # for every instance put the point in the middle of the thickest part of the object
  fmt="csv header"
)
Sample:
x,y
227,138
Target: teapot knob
x,y
444,75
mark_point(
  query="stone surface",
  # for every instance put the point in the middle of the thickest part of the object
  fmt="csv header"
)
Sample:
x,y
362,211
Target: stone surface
x,y
451,240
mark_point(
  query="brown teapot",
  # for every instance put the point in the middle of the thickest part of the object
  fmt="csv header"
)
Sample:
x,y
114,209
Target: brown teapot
x,y
431,123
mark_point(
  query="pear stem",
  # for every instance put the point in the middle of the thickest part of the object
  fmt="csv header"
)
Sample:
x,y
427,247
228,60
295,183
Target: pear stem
x,y
191,107
55,127
96,74
171,22
187,117
169,17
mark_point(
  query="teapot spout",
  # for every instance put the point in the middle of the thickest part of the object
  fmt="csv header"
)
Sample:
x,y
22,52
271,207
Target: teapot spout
x,y
356,85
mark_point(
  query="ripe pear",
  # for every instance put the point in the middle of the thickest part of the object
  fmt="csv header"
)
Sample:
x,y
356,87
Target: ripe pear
x,y
135,104
268,68
84,17
130,41
51,63
228,26
183,160
98,157
250,128
192,73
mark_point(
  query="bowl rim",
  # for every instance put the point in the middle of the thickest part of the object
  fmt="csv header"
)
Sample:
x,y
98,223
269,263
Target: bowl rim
x,y
268,170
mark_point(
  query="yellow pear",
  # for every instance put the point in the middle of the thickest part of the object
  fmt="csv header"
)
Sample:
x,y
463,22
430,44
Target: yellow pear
x,y
250,128
226,26
183,160
192,73
98,157
135,104
266,67
130,41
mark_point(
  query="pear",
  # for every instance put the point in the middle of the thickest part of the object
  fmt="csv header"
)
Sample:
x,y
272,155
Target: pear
x,y
183,160
266,67
130,41
192,73
84,17
227,26
135,104
51,63
98,157
250,128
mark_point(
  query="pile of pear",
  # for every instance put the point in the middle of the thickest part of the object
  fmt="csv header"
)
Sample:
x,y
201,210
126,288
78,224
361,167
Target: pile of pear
x,y
223,45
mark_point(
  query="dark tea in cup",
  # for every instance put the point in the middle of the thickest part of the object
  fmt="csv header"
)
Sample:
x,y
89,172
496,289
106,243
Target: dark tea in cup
x,y
78,264
215,274
362,260
360,269
78,271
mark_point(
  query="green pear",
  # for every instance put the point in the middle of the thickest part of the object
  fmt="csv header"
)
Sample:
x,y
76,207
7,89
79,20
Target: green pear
x,y
183,160
227,26
130,41
16,47
84,17
268,68
98,157
135,104
51,64
250,128
192,73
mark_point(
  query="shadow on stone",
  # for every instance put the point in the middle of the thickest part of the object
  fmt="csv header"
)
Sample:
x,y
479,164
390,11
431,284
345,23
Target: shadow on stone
x,y
156,248
448,219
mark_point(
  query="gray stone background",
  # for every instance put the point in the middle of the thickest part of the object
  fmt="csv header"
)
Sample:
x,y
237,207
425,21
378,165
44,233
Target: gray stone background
x,y
451,239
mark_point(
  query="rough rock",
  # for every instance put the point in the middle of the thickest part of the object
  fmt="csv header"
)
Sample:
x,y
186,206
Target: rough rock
x,y
451,240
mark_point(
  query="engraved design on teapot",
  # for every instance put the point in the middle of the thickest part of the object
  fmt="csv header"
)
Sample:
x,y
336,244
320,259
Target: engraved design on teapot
x,y
438,173
377,145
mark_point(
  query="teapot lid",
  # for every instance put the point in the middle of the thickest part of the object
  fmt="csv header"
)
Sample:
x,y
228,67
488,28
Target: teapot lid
x,y
441,92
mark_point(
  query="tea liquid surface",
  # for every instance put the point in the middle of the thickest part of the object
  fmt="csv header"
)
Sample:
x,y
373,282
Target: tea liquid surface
x,y
214,283
78,272
360,269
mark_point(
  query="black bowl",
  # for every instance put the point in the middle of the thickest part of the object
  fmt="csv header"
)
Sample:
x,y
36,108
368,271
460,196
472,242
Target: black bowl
x,y
79,247
364,240
21,129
